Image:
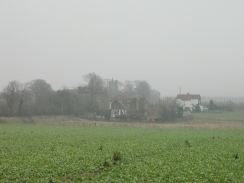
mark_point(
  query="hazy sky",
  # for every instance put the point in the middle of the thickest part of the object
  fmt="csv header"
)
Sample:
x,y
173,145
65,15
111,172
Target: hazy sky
x,y
198,45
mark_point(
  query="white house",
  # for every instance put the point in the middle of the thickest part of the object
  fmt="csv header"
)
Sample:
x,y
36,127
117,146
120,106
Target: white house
x,y
188,101
117,108
128,106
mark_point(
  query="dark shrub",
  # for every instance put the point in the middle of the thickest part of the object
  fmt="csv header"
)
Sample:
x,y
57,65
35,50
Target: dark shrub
x,y
197,109
180,112
117,156
107,116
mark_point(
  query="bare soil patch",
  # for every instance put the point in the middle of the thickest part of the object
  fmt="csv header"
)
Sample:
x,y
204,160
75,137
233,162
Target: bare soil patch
x,y
73,121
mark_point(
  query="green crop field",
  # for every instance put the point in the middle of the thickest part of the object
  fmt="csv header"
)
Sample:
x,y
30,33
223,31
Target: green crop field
x,y
32,153
232,115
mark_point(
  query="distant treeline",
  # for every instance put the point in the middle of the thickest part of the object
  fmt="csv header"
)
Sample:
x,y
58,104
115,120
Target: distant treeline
x,y
38,98
223,100
227,106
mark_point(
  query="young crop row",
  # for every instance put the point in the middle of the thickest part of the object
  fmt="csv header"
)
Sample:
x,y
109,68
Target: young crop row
x,y
97,154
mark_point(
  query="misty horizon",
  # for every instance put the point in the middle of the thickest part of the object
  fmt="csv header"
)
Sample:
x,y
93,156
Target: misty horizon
x,y
197,46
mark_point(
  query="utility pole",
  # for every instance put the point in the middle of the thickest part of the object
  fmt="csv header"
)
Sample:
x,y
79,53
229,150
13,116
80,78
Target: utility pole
x,y
180,89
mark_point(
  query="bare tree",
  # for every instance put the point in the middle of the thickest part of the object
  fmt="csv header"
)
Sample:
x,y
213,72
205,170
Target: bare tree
x,y
70,101
12,94
128,89
94,87
129,85
43,96
104,99
26,101
142,89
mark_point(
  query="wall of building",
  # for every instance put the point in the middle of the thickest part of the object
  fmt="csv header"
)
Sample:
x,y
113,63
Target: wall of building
x,y
187,103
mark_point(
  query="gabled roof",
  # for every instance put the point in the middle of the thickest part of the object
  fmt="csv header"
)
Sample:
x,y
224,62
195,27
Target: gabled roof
x,y
120,103
120,99
188,96
128,99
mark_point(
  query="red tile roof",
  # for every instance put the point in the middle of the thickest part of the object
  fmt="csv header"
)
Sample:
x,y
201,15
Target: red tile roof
x,y
188,96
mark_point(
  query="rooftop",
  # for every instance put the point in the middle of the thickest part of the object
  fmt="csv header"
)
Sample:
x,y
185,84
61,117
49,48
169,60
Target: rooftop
x,y
188,96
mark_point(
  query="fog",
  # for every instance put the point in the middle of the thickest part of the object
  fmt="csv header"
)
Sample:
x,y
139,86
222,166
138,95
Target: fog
x,y
198,45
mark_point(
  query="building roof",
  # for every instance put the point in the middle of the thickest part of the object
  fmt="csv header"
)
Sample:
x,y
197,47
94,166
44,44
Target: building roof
x,y
120,99
127,99
188,96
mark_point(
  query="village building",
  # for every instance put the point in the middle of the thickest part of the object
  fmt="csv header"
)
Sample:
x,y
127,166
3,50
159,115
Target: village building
x,y
189,101
132,107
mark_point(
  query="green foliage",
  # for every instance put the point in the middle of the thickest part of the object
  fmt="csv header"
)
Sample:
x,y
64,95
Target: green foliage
x,y
211,105
224,107
180,112
106,163
168,114
117,156
107,116
197,109
32,153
